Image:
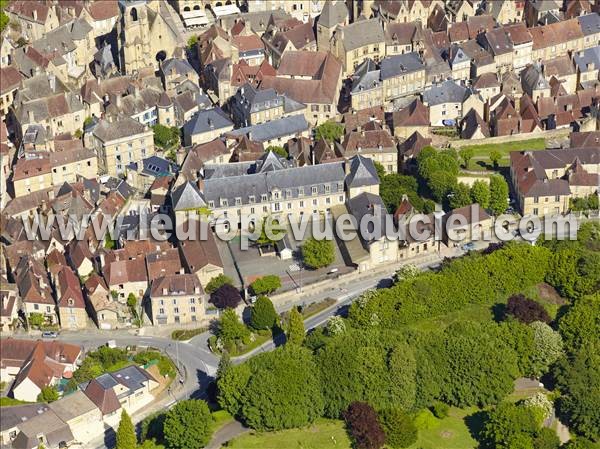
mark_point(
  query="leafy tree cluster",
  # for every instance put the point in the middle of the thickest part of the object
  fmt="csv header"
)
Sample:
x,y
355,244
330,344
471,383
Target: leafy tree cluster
x,y
263,314
231,331
363,425
225,297
498,194
266,284
216,282
165,137
48,394
188,425
274,390
514,426
475,279
439,170
590,202
96,363
526,310
126,438
318,253
574,270
278,150
329,131
393,186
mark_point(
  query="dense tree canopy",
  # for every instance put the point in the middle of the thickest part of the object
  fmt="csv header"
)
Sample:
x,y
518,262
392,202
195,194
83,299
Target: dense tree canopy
x,y
318,253
363,425
526,310
126,438
231,330
165,137
263,314
393,186
216,282
398,426
283,390
460,196
266,284
188,425
226,296
511,426
498,194
480,193
329,131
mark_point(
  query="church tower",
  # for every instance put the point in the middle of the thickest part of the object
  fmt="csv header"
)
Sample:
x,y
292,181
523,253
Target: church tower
x,y
134,36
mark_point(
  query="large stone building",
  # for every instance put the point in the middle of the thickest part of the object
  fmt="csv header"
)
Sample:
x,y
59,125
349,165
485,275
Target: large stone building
x,y
177,299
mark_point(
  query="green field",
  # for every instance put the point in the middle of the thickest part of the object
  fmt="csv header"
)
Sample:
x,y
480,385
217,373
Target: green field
x,y
322,434
481,160
452,432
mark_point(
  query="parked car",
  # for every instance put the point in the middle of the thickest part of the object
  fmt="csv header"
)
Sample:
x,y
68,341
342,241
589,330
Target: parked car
x,y
49,334
468,246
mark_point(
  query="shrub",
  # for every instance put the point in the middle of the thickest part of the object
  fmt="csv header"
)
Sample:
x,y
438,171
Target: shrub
x,y
526,310
424,420
263,314
363,425
226,297
399,429
440,409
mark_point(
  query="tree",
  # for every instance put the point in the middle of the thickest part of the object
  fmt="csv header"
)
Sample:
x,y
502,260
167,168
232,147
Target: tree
x,y
126,438
526,310
460,196
541,406
498,194
510,426
231,387
363,425
318,253
278,150
48,394
548,347
165,137
579,326
495,157
295,330
393,187
329,131
132,304
263,314
188,425
480,193
546,439
399,429
578,379
230,329
35,319
284,390
226,296
266,284
466,154
192,41
380,170
216,282
562,274
335,326
441,183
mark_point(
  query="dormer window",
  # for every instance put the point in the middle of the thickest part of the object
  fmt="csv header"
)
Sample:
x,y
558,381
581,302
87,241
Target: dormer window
x,y
251,199
314,190
238,201
327,188
70,302
288,193
263,197
211,204
300,191
224,202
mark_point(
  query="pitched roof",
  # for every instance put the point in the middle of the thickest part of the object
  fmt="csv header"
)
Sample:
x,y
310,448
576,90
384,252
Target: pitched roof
x,y
196,254
104,398
361,33
415,114
176,284
362,172
69,290
333,13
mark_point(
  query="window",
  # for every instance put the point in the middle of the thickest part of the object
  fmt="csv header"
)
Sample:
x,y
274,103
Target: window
x,y
193,309
176,310
161,311
536,199
302,204
288,193
300,191
224,202
238,201
263,197
192,300
535,211
313,190
557,198
251,199
315,202
36,307
289,206
327,188
277,207
211,204
175,301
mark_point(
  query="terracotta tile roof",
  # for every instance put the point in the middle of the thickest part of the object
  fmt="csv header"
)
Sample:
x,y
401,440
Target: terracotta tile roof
x,y
26,8
162,263
555,33
187,284
585,139
196,254
415,114
10,78
29,168
356,141
412,146
458,31
106,9
125,271
518,33
248,43
69,290
324,69
104,398
16,352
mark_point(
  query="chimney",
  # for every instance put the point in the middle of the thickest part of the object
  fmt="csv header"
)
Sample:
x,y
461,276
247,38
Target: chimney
x,y
210,123
30,116
118,101
35,16
52,82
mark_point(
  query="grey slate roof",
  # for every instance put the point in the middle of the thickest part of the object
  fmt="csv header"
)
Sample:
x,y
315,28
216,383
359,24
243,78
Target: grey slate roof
x,y
333,13
181,66
263,183
366,76
187,196
589,23
401,64
205,120
274,129
532,78
362,172
361,33
447,92
587,56
121,126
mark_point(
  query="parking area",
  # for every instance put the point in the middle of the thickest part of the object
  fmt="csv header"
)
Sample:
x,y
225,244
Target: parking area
x,y
250,264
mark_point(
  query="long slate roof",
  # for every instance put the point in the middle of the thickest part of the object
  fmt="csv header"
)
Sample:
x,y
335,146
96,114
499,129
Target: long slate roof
x,y
447,92
274,129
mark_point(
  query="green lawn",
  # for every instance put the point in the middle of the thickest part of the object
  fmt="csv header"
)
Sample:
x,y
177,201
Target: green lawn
x,y
220,417
322,434
473,312
5,401
452,432
481,160
258,340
